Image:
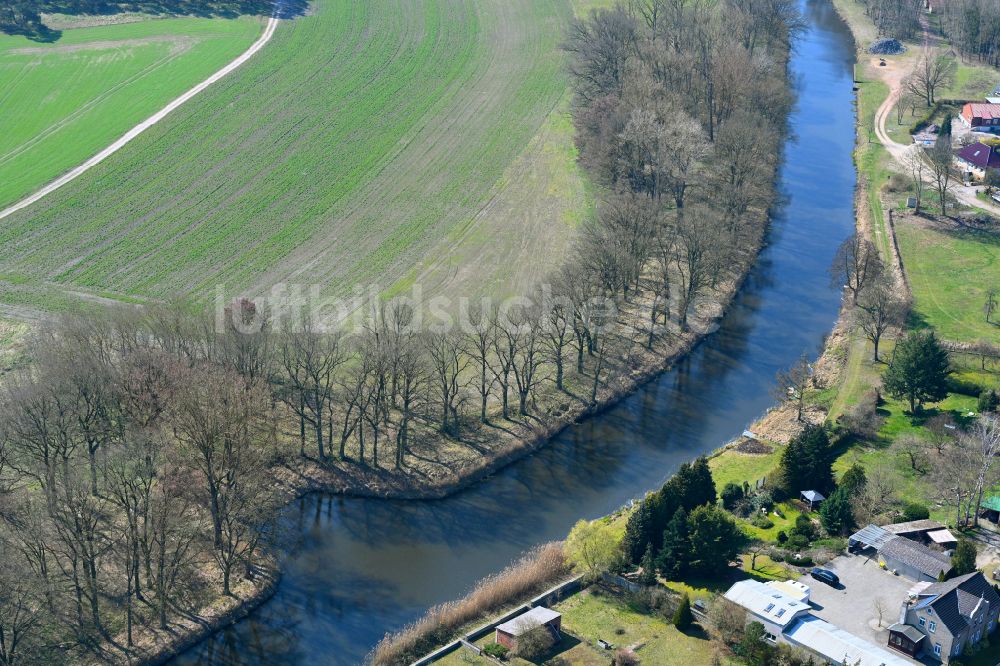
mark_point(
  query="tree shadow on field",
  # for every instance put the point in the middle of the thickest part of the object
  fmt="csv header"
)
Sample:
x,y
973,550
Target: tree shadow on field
x,y
23,17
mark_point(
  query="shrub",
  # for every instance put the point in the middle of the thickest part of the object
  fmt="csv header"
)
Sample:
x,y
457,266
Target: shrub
x,y
651,600
782,537
534,644
730,495
798,542
496,650
915,511
805,527
988,401
863,420
776,556
897,183
762,501
761,521
533,572
803,560
624,657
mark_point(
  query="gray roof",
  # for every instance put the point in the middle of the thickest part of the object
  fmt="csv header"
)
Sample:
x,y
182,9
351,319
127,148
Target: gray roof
x,y
525,622
955,600
920,557
839,646
913,526
871,537
910,632
813,495
766,602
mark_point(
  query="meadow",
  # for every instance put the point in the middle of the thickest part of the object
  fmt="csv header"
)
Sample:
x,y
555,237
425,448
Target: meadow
x,y
369,143
951,267
62,102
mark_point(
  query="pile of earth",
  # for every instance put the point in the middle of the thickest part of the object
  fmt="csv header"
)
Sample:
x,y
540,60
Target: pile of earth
x,y
886,46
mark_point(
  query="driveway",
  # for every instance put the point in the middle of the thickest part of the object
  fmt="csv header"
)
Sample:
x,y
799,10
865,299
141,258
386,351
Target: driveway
x,y
853,606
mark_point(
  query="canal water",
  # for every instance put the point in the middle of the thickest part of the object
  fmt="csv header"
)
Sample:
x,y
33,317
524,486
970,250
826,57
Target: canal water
x,y
357,568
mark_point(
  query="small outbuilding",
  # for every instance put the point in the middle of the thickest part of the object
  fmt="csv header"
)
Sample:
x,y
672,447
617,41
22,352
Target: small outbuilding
x,y
812,498
905,638
943,538
539,616
914,560
990,509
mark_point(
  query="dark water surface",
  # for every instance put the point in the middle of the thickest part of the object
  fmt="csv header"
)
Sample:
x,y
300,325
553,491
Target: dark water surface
x,y
355,569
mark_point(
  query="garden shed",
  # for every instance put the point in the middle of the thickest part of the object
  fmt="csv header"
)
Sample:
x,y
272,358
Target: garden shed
x,y
539,616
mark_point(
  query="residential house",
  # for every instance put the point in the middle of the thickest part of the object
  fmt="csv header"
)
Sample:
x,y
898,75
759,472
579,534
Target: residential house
x,y
772,608
789,621
980,115
913,560
510,631
948,616
976,159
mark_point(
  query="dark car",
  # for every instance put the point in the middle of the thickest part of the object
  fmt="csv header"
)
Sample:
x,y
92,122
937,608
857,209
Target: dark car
x,y
826,576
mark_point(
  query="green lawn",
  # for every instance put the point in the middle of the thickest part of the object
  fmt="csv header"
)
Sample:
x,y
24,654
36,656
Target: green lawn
x,y
950,268
61,102
366,139
735,467
596,614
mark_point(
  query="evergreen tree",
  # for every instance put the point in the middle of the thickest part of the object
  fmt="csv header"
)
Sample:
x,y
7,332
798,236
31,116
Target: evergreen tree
x,y
730,495
715,539
676,550
919,370
683,618
854,479
963,560
648,576
700,487
638,533
836,513
807,462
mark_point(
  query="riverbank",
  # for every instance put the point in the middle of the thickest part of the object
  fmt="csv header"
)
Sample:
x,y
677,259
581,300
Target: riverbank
x,y
304,478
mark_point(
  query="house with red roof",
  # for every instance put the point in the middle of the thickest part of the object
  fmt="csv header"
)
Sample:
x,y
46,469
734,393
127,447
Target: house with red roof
x,y
981,115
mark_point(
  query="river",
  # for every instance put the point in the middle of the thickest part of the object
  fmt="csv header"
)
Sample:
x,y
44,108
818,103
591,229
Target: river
x,y
356,568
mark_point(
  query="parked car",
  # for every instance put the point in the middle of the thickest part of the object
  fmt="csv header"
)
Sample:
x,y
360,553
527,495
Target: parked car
x,y
825,576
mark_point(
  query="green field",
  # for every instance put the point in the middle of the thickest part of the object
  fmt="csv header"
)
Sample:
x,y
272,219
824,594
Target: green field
x,y
368,143
60,103
950,268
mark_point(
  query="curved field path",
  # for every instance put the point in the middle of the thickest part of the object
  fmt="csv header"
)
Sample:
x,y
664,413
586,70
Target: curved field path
x,y
372,143
143,126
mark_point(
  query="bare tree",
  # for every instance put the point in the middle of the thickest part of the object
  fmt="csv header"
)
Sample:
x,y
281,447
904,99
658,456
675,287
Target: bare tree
x,y
879,310
940,167
479,341
310,359
933,71
447,367
697,257
990,305
792,383
915,449
855,265
985,443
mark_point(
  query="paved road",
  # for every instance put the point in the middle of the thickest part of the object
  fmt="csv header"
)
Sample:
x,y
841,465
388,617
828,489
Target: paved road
x,y
144,125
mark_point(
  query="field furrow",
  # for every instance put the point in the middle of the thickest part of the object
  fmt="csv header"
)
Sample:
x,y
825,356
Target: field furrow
x,y
355,149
